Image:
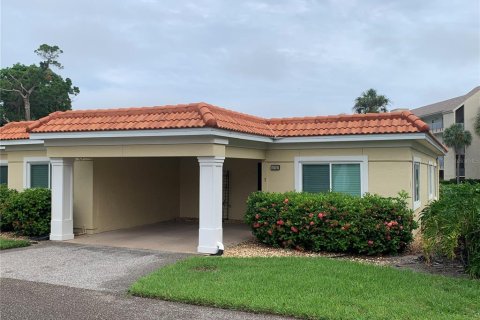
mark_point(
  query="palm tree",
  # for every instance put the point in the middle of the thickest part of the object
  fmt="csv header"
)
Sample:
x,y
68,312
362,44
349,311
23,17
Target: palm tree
x,y
370,102
457,138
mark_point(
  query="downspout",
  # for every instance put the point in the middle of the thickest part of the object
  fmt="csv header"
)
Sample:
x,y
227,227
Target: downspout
x,y
220,249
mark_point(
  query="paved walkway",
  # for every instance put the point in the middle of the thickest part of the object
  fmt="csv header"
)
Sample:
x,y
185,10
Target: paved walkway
x,y
55,280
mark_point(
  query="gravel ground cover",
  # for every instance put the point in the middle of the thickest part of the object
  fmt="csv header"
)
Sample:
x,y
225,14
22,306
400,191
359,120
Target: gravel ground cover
x,y
412,259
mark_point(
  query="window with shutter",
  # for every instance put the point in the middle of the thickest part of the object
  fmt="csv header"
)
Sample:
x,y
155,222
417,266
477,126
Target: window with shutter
x,y
346,178
316,177
39,175
3,174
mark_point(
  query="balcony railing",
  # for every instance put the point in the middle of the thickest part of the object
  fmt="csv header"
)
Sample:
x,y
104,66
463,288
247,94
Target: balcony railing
x,y
436,127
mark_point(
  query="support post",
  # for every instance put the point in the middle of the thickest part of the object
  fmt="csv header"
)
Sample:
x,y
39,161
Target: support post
x,y
62,199
210,207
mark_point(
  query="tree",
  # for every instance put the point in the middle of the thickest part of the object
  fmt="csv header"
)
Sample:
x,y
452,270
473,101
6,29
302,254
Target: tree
x,y
50,55
371,102
457,138
32,92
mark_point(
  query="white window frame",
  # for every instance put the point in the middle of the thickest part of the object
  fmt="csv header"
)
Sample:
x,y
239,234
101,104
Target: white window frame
x,y
417,204
4,163
27,165
362,160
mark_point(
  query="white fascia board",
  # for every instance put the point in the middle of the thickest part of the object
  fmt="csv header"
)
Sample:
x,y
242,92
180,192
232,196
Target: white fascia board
x,y
38,138
353,137
20,142
150,133
435,144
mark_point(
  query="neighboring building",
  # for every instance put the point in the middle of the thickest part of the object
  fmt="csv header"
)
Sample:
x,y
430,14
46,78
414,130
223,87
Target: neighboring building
x,y
119,168
443,114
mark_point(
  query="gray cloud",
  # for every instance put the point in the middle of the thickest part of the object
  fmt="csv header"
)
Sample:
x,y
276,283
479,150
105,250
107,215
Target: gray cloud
x,y
271,58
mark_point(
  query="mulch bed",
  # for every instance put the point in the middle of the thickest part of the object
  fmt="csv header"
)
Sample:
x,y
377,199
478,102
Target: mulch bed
x,y
411,259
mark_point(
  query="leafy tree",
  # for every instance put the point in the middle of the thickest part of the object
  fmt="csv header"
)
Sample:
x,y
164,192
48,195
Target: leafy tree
x,y
50,55
371,102
32,92
457,138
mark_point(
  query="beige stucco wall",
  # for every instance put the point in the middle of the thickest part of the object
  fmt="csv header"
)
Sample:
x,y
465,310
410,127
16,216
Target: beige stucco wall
x,y
243,181
189,187
124,191
83,196
134,191
449,158
143,150
472,153
389,169
15,166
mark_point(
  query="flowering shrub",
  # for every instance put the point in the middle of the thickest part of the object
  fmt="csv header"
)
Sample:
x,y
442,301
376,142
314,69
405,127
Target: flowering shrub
x,y
331,222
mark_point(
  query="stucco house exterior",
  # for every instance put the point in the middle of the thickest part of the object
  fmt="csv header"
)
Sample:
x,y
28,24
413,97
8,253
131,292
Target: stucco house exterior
x,y
443,114
118,168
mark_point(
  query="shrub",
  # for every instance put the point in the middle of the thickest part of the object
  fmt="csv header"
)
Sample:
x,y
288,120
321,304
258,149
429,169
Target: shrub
x,y
454,181
28,212
331,222
5,196
451,225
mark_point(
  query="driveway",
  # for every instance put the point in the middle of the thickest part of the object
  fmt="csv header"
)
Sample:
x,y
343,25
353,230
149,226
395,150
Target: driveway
x,y
58,280
82,266
172,236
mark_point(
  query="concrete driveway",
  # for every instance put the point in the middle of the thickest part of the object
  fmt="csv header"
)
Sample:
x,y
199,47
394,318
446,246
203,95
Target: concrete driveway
x,y
172,236
82,266
53,280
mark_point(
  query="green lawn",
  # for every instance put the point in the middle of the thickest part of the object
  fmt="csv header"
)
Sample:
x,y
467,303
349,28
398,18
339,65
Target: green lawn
x,y
12,243
317,288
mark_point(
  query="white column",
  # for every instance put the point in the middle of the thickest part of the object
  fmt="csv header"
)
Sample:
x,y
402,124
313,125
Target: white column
x,y
211,180
62,199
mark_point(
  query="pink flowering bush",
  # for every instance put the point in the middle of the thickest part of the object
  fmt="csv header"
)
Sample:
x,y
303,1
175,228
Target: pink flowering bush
x,y
331,222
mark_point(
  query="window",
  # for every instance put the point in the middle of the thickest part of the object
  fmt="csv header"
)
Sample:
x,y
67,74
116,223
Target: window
x,y
337,174
3,172
37,173
416,183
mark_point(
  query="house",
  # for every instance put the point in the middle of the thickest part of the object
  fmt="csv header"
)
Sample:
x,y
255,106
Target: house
x,y
443,114
118,168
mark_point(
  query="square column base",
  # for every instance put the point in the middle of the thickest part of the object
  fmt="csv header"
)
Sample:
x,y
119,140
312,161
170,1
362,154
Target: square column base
x,y
208,239
59,230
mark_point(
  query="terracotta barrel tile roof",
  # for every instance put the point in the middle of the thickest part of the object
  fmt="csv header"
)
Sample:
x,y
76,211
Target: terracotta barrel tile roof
x,y
15,130
199,115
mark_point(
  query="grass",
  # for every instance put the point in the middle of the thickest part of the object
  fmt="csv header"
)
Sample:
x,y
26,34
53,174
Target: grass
x,y
12,243
314,288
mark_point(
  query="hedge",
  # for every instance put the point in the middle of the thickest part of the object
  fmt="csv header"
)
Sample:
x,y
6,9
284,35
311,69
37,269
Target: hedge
x,y
451,225
331,222
27,212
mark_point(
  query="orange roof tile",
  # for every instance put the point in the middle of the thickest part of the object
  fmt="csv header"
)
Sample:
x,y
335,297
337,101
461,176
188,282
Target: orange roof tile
x,y
15,130
199,115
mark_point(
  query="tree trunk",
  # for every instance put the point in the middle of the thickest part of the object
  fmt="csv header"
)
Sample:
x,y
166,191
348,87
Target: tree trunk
x,y
26,104
458,167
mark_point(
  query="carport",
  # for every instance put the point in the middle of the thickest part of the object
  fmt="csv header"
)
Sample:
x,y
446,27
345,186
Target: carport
x,y
156,202
126,168
153,202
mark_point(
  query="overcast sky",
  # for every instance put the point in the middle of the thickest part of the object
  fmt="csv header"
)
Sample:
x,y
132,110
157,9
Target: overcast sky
x,y
268,58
